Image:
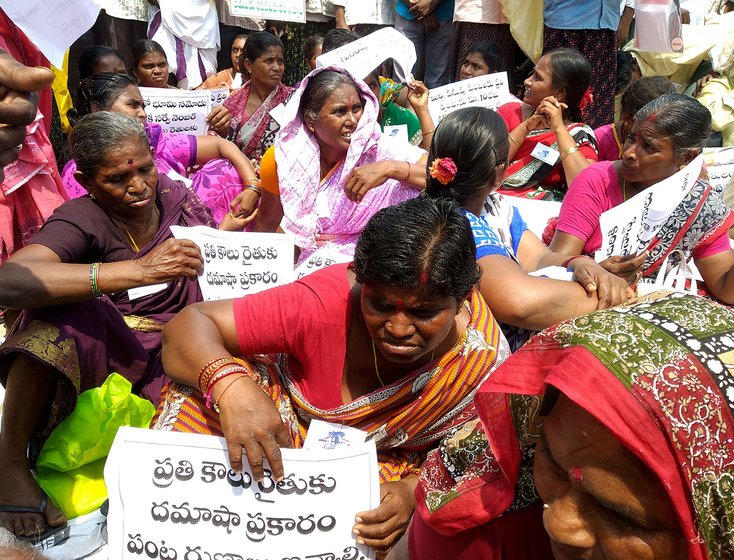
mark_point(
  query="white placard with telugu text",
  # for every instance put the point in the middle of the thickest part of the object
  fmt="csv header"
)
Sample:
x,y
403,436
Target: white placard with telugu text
x,y
218,95
172,495
239,263
490,90
178,111
627,229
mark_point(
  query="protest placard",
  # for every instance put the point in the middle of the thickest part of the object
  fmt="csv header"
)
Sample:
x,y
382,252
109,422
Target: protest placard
x,y
490,90
280,10
53,26
321,258
364,55
173,495
177,110
218,95
628,228
239,263
721,175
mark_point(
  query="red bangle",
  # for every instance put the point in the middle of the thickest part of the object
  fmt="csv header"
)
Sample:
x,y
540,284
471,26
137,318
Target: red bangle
x,y
569,259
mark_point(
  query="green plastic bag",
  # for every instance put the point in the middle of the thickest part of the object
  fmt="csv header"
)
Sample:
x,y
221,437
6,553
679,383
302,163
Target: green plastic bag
x,y
70,466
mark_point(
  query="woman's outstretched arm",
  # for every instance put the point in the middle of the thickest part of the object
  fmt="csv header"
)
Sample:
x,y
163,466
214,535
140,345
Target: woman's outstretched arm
x,y
197,336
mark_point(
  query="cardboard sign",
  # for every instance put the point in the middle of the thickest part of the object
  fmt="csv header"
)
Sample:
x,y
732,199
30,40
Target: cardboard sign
x,y
279,10
364,55
239,263
628,228
489,91
173,495
177,110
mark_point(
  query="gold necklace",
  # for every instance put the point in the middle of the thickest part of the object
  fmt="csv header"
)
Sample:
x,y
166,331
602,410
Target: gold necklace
x,y
130,237
377,369
624,190
127,231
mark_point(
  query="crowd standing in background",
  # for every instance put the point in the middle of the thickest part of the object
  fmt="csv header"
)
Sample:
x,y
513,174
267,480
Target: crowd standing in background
x,y
528,397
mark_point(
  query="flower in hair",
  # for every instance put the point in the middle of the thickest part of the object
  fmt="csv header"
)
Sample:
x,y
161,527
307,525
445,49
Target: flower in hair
x,y
443,170
586,99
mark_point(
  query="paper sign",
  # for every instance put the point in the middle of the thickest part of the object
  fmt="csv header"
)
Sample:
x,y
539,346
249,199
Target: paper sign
x,y
53,26
328,435
721,175
321,258
363,56
218,95
628,228
177,110
489,91
173,495
280,10
238,263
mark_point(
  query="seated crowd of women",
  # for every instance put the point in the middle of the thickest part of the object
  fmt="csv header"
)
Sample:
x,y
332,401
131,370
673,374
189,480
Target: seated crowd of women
x,y
606,435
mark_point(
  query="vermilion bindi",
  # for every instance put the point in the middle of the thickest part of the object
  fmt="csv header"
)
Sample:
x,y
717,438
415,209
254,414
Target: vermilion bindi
x,y
130,161
424,277
399,305
577,474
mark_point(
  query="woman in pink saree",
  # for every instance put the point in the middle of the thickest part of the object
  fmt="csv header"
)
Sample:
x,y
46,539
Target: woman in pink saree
x,y
331,169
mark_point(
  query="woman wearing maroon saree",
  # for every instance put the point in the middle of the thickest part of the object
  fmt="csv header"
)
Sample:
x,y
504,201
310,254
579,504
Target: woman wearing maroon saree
x,y
82,321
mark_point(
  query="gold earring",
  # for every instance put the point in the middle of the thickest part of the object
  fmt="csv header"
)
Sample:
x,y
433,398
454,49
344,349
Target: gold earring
x,y
681,167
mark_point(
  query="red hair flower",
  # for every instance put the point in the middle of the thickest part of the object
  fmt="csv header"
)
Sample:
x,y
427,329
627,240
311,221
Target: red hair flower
x,y
586,99
443,170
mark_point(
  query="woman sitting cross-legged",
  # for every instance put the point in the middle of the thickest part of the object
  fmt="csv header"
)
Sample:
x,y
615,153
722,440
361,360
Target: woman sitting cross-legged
x,y
550,116
85,314
469,155
394,344
226,178
331,168
667,134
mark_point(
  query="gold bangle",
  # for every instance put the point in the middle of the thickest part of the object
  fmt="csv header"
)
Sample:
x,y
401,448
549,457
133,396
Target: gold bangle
x,y
568,151
512,139
429,132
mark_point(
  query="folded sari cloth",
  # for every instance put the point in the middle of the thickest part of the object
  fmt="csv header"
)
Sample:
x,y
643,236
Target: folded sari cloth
x,y
316,210
254,133
86,341
663,385
404,419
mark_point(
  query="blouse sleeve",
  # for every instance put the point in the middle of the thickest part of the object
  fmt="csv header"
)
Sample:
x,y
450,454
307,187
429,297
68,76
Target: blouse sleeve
x,y
269,172
583,205
302,319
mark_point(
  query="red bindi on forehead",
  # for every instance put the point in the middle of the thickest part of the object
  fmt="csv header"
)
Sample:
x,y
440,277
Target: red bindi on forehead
x,y
577,473
130,162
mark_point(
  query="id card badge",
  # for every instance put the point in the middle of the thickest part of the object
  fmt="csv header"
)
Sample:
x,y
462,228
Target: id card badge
x,y
137,293
399,132
546,154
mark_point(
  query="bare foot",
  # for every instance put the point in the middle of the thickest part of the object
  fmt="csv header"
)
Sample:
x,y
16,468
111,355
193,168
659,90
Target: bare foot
x,y
19,488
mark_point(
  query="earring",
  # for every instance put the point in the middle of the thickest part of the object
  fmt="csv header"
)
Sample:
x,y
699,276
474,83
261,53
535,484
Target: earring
x,y
546,507
92,196
681,167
